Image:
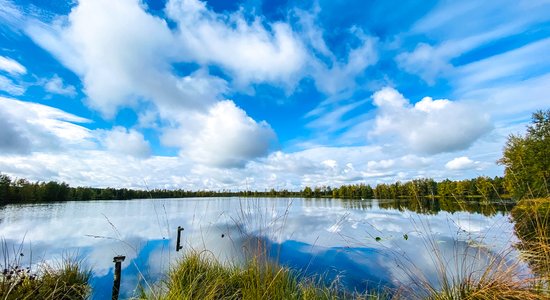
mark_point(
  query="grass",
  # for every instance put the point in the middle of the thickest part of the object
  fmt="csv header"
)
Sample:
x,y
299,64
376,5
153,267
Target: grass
x,y
475,272
532,226
65,280
198,275
498,279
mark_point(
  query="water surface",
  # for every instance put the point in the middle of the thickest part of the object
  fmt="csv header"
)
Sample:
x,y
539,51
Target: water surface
x,y
363,243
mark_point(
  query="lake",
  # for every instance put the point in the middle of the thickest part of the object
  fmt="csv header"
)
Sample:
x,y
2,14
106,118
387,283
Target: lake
x,y
362,243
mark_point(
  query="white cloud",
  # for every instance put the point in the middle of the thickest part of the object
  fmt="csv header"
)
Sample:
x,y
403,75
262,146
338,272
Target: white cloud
x,y
135,66
332,117
116,62
341,75
7,85
314,167
331,74
513,101
125,66
57,86
11,66
11,138
36,127
427,62
249,50
430,126
384,164
101,168
505,68
450,19
10,14
433,61
223,137
460,163
126,141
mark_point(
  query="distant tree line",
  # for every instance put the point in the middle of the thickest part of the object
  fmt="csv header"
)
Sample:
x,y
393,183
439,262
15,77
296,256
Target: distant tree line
x,y
484,188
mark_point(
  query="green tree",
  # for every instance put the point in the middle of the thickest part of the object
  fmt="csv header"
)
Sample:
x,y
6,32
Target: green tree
x,y
5,190
307,193
527,159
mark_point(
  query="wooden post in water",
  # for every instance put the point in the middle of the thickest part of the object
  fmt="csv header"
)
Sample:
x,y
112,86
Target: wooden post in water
x,y
116,283
178,247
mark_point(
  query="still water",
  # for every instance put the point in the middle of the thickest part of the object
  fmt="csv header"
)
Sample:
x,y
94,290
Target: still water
x,y
362,243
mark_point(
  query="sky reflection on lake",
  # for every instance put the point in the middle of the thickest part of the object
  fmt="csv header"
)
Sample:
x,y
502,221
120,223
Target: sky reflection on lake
x,y
363,243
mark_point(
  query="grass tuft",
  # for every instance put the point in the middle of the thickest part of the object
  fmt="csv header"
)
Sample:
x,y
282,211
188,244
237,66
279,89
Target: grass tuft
x,y
532,226
198,275
66,281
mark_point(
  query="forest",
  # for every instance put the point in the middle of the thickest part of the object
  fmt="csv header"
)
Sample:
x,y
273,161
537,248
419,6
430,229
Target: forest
x,y
480,189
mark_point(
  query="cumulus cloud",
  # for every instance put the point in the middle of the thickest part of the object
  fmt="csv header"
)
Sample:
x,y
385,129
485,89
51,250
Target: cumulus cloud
x,y
117,63
249,50
382,164
460,163
126,141
11,66
125,66
223,137
121,64
57,86
429,126
35,127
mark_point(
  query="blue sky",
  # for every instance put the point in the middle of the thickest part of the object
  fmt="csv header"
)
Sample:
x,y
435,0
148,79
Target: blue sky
x,y
259,94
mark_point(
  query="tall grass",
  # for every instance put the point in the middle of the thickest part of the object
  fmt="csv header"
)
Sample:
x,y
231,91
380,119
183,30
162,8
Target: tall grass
x,y
198,275
532,225
475,272
65,280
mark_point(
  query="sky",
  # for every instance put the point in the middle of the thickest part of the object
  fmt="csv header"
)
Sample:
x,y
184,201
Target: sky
x,y
252,94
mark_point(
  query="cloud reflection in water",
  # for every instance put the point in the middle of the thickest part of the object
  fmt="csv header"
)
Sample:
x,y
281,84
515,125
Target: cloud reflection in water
x,y
359,242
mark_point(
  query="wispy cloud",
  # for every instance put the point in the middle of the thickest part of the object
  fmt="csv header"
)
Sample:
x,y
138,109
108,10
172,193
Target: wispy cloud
x,y
57,86
11,66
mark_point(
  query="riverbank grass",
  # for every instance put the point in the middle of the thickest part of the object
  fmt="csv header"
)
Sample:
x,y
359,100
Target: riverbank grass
x,y
200,276
532,226
66,280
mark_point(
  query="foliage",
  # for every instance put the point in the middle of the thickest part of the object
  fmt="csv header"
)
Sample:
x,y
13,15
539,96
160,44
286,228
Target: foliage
x,y
527,159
